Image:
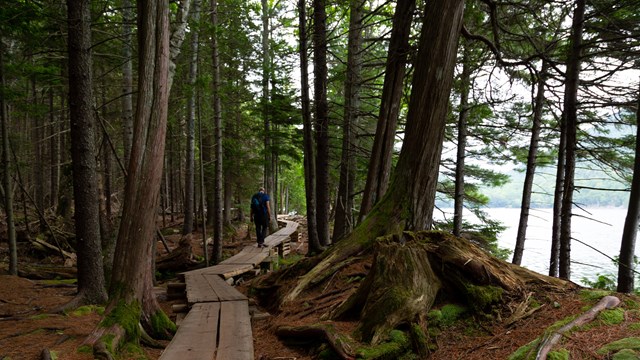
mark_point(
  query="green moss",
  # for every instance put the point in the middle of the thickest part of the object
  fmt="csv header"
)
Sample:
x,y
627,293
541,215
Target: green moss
x,y
593,295
59,281
290,260
525,352
54,355
627,343
452,313
561,354
397,346
127,316
631,304
39,317
108,341
85,349
161,325
482,297
634,326
612,316
625,354
86,310
133,351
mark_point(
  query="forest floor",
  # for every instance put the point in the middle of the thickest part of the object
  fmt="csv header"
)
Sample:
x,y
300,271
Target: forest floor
x,y
28,325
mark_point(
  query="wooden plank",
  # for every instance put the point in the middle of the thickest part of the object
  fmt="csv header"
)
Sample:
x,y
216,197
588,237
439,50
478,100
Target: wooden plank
x,y
236,339
199,289
197,335
226,270
222,290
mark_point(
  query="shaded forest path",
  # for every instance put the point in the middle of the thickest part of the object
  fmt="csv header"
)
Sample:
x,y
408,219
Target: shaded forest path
x,y
218,324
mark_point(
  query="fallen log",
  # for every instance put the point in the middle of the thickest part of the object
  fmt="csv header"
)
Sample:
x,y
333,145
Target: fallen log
x,y
607,302
180,258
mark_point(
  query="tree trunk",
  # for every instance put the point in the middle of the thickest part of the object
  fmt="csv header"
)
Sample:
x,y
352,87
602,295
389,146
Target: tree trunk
x,y
54,152
6,172
343,223
380,164
322,120
309,158
91,283
189,207
38,171
458,196
217,123
570,117
269,156
131,294
127,79
532,159
626,263
410,203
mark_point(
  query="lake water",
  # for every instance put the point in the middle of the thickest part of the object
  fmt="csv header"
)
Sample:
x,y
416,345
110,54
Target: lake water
x,y
596,232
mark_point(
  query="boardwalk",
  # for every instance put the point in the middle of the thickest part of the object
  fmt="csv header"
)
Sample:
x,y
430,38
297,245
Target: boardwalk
x,y
218,325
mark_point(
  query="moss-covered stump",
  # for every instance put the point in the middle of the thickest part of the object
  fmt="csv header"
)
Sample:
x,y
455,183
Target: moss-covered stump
x,y
400,288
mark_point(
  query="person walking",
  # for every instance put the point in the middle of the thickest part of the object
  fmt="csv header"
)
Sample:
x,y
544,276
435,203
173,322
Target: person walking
x,y
260,215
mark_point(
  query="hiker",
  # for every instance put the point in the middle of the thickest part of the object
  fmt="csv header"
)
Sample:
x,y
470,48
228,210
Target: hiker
x,y
260,214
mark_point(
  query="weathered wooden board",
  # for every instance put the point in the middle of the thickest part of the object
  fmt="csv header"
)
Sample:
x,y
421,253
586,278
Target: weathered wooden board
x,y
223,291
249,255
199,289
236,339
197,335
225,270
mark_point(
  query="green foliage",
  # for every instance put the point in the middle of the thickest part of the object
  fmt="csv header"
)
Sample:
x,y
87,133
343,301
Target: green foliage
x,y
603,282
447,315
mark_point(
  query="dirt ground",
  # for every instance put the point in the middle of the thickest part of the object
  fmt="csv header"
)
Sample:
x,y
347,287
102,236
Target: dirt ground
x,y
29,329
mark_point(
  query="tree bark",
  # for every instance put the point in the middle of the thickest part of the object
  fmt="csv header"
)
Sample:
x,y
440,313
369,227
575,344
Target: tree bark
x,y
626,263
458,196
189,198
343,223
127,79
6,172
309,158
381,155
570,117
532,159
410,204
217,123
321,120
91,283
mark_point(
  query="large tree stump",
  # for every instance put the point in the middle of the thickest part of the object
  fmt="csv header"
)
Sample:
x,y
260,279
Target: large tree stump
x,y
409,270
400,288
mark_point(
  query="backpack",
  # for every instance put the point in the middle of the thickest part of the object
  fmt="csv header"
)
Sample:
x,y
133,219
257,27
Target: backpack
x,y
257,204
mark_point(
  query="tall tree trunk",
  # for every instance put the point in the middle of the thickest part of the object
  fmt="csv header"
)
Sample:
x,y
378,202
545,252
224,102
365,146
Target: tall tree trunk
x,y
189,207
458,196
322,120
626,264
269,157
532,159
6,171
554,261
309,158
344,200
382,152
131,284
217,123
54,150
570,116
38,171
91,283
127,79
410,200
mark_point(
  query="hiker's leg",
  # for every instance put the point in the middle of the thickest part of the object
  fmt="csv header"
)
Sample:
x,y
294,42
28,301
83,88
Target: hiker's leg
x,y
259,237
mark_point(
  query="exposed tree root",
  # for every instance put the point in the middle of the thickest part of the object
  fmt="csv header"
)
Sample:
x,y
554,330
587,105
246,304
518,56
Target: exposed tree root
x,y
311,333
607,302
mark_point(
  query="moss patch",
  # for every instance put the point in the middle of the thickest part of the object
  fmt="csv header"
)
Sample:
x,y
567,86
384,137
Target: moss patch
x,y
593,295
625,354
612,316
482,297
127,316
397,346
446,316
632,343
87,309
162,325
